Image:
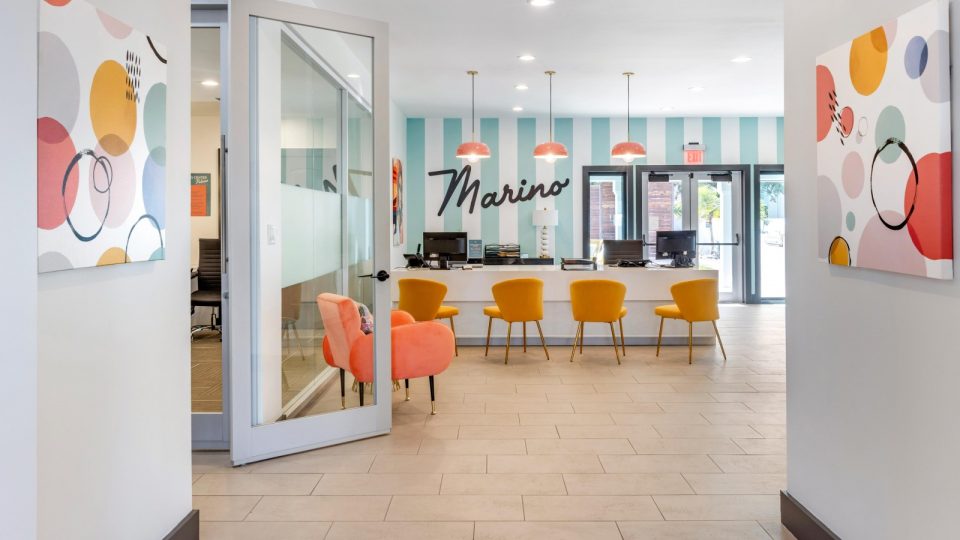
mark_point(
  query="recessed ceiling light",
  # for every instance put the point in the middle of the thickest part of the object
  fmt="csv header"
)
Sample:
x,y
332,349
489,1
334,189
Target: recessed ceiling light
x,y
741,59
666,109
517,108
521,86
526,58
352,76
695,89
209,82
540,3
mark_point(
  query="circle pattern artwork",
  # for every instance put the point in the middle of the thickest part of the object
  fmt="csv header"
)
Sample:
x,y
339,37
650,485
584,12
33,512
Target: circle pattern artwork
x,y
113,111
915,58
929,225
155,116
826,92
911,206
868,61
56,190
852,175
890,124
839,253
58,85
935,79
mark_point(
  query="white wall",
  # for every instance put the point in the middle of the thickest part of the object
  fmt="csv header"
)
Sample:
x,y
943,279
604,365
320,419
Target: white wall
x,y
114,371
18,273
873,377
205,140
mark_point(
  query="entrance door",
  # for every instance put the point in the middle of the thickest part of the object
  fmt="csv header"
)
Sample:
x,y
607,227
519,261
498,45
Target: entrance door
x,y
771,232
707,201
309,204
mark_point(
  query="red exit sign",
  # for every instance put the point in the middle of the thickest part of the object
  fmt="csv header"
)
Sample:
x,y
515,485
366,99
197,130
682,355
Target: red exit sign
x,y
693,153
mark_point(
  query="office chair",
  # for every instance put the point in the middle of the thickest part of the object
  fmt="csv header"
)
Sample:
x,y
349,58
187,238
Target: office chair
x,y
208,285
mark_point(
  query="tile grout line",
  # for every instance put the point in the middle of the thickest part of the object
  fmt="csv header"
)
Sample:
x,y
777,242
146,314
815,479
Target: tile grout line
x,y
252,508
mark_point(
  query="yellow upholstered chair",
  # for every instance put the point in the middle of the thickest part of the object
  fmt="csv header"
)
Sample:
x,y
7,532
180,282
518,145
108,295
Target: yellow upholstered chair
x,y
518,300
423,298
598,301
696,301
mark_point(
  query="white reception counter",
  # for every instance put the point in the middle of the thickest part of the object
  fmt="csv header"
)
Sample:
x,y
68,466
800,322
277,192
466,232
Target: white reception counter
x,y
647,288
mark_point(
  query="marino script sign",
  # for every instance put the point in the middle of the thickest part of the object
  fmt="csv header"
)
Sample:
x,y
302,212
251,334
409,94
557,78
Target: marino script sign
x,y
470,189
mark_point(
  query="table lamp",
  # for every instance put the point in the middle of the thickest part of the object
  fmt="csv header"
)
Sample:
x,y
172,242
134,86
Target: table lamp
x,y
544,219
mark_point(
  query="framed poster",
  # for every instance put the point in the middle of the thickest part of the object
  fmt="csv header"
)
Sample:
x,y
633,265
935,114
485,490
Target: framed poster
x,y
397,214
884,161
101,140
199,194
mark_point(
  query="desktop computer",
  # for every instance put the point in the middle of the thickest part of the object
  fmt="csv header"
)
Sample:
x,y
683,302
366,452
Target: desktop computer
x,y
445,247
681,246
624,253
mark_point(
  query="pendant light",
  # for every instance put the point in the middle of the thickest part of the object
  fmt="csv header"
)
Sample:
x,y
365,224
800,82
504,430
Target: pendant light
x,y
628,150
474,150
550,150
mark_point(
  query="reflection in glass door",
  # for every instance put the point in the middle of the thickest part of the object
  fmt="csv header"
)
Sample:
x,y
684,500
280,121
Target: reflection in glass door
x,y
312,221
709,202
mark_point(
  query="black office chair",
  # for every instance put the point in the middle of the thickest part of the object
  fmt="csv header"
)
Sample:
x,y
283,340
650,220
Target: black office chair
x,y
208,284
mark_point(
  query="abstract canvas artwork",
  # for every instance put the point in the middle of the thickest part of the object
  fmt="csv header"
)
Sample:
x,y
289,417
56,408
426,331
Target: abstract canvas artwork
x,y
397,212
884,184
101,140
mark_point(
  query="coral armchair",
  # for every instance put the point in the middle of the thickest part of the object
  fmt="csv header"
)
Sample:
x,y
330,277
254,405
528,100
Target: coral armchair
x,y
418,349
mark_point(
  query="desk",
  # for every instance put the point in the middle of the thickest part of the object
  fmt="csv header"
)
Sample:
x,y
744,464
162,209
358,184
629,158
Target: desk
x,y
647,288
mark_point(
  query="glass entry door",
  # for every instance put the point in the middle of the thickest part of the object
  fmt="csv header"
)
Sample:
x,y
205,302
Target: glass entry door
x,y
307,140
709,202
772,232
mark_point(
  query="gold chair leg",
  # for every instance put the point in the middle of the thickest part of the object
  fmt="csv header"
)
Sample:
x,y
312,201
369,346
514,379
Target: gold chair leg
x,y
506,357
690,344
623,344
581,337
576,336
489,326
660,336
719,340
543,341
524,336
456,348
616,350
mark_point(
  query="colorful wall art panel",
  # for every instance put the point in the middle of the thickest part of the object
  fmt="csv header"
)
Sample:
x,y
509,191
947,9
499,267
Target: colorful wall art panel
x,y
885,178
101,140
397,215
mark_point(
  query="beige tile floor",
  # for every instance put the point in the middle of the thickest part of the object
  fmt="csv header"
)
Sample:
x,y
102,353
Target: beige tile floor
x,y
652,449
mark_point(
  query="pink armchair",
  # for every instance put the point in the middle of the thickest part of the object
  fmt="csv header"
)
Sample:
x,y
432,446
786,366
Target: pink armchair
x,y
418,349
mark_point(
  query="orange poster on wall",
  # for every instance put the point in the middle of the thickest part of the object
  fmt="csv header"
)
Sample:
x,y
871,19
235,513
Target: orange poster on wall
x,y
199,194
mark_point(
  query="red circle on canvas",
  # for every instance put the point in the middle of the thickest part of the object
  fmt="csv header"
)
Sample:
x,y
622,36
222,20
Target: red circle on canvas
x,y
825,89
55,150
931,224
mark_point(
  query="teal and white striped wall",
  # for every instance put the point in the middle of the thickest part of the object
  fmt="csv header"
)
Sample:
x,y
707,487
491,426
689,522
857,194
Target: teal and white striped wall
x,y
432,142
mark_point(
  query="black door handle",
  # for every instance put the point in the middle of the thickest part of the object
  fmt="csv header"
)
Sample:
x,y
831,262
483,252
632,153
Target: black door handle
x,y
382,275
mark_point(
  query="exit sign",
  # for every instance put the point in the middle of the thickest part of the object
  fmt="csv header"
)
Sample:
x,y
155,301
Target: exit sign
x,y
693,153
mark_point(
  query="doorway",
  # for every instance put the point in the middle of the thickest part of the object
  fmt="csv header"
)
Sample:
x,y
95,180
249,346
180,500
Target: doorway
x,y
607,206
771,232
707,199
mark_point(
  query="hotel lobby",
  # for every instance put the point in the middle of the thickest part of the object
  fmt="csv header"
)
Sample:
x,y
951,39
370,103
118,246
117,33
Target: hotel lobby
x,y
526,269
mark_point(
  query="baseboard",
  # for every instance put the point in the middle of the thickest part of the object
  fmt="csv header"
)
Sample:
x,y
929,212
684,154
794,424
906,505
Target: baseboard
x,y
799,521
187,529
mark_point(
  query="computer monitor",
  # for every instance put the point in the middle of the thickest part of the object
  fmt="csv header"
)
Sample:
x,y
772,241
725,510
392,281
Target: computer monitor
x,y
615,251
681,246
451,246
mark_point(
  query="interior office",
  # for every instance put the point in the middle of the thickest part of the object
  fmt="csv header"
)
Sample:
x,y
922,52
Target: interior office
x,y
179,433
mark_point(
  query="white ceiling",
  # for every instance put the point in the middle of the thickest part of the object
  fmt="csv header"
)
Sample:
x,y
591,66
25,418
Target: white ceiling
x,y
671,45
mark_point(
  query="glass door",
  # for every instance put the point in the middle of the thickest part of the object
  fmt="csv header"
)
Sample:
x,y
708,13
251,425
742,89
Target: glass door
x,y
772,229
709,202
308,137
606,206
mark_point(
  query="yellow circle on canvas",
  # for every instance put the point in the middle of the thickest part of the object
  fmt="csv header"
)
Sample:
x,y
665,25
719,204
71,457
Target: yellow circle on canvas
x,y
839,252
113,109
868,61
113,255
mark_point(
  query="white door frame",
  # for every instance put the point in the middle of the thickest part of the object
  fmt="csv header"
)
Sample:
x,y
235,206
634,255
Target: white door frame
x,y
249,442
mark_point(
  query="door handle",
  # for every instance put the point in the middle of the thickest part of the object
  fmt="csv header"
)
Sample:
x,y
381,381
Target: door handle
x,y
382,275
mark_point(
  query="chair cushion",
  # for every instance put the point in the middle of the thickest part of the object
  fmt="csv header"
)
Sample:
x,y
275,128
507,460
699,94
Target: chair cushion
x,y
492,311
623,312
445,312
205,297
669,312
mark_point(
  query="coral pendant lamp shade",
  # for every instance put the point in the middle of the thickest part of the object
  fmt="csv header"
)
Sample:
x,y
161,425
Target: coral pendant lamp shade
x,y
551,150
628,150
474,150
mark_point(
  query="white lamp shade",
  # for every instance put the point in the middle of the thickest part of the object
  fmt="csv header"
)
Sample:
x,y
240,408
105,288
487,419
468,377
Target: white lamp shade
x,y
545,218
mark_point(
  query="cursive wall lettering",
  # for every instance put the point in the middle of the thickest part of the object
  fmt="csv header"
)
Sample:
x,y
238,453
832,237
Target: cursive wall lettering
x,y
470,189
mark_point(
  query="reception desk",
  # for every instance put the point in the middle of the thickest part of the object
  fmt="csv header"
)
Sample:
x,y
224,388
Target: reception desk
x,y
647,288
